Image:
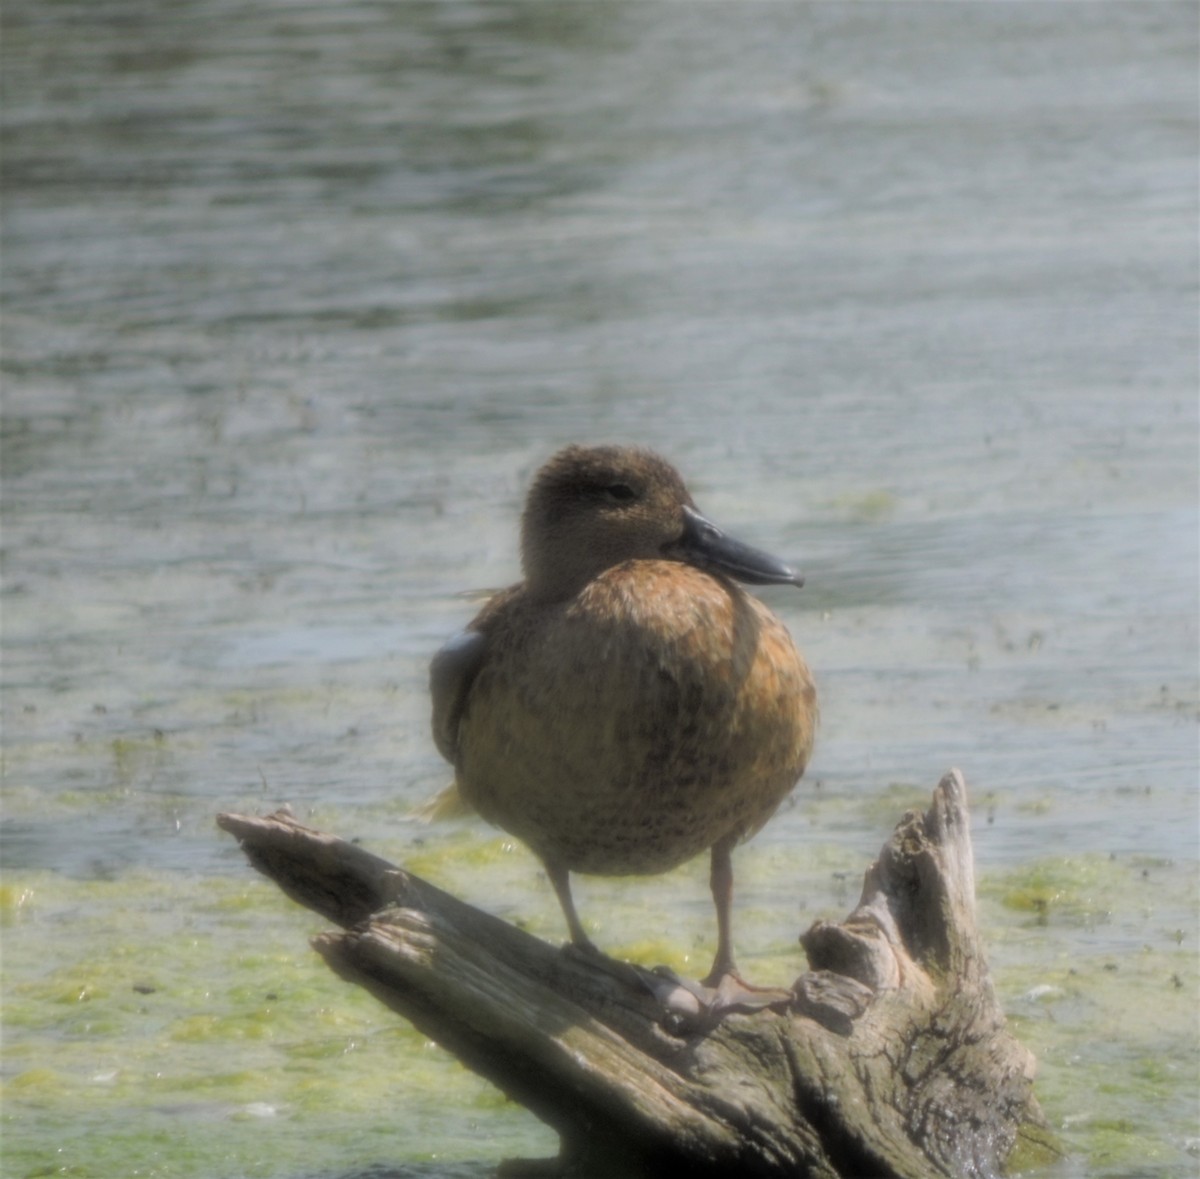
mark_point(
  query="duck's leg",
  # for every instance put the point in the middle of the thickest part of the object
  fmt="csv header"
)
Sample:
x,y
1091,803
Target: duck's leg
x,y
721,882
560,877
732,991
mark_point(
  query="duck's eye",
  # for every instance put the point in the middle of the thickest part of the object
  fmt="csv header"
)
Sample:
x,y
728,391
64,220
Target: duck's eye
x,y
621,492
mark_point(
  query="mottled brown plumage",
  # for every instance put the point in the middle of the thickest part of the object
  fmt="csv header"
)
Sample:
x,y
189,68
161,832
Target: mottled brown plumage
x,y
628,705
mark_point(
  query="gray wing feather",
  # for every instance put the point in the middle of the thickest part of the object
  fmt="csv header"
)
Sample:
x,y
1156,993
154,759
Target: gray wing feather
x,y
451,675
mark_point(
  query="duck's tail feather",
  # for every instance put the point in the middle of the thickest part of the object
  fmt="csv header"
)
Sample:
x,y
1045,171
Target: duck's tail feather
x,y
446,804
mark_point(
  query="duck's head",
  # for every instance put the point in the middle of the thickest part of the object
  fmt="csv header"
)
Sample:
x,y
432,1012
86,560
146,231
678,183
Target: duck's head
x,y
592,507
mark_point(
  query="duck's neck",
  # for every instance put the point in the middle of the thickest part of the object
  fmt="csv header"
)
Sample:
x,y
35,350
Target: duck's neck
x,y
558,580
558,567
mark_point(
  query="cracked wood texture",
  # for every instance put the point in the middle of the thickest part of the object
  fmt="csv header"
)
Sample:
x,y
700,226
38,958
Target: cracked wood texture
x,y
889,1058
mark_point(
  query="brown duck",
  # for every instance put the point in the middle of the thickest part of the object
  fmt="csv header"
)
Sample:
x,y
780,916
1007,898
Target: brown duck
x,y
628,705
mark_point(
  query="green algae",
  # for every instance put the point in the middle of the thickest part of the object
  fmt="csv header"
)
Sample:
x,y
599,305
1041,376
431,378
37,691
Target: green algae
x,y
1083,889
192,1036
866,507
143,1013
1113,1027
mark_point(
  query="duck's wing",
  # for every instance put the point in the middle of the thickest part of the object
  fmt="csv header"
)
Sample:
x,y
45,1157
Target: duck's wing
x,y
451,675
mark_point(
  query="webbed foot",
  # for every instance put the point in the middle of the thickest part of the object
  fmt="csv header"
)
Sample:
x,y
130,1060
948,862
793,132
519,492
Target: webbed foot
x,y
688,1002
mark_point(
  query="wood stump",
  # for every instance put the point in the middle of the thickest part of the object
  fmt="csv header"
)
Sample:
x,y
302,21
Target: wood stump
x,y
889,1058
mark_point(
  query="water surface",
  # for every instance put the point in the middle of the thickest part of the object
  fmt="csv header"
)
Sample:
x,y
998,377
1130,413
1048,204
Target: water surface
x,y
296,298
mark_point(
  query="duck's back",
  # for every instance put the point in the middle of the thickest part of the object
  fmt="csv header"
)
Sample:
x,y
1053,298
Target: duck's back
x,y
630,727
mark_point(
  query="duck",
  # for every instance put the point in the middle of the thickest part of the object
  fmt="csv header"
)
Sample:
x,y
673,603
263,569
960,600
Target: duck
x,y
627,705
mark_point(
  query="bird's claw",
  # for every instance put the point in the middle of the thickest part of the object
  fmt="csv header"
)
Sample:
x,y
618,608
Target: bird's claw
x,y
690,1002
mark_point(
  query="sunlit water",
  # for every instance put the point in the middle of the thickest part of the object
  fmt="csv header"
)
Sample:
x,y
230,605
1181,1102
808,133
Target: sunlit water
x,y
297,296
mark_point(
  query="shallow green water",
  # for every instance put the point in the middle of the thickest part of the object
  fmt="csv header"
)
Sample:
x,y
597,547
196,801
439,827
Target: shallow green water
x,y
178,1025
182,1016
296,298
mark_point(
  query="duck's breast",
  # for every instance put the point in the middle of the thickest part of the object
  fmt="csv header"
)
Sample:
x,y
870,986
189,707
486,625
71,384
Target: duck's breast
x,y
629,728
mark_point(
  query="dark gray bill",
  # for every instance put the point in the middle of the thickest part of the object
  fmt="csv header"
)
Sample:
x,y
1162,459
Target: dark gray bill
x,y
704,545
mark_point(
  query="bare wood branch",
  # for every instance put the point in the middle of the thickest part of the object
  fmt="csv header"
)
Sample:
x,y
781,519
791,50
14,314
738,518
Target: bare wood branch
x,y
889,1058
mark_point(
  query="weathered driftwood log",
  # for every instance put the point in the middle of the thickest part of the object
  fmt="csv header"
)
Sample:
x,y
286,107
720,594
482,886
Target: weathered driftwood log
x,y
889,1058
